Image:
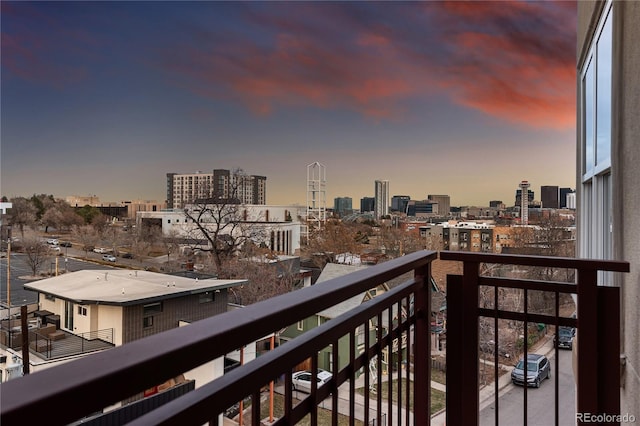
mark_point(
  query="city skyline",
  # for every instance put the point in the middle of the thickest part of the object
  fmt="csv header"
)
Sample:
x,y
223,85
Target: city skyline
x,y
437,98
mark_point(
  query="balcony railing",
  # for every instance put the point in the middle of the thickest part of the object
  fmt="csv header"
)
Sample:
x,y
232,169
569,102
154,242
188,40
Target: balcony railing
x,y
61,344
90,384
598,316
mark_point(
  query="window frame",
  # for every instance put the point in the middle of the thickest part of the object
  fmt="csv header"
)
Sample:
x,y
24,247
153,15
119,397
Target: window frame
x,y
596,182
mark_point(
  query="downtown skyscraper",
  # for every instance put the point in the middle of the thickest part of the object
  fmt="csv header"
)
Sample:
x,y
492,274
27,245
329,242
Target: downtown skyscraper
x,y
382,198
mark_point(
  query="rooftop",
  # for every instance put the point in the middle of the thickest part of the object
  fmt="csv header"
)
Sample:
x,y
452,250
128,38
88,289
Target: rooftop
x,y
124,287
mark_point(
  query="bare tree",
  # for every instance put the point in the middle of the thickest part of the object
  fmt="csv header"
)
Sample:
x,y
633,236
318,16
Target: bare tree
x,y
171,243
398,241
51,218
334,238
37,254
87,236
221,224
112,235
266,277
22,213
140,240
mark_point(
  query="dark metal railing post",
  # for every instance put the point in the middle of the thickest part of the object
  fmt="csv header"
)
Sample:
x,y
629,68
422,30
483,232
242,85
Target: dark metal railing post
x,y
587,380
455,380
422,351
462,346
608,350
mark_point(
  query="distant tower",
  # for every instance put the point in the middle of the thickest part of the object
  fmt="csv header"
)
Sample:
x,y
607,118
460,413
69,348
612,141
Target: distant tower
x,y
524,202
316,195
382,198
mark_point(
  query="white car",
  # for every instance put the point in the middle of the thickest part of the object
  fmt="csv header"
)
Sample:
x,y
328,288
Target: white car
x,y
52,241
302,379
100,250
109,258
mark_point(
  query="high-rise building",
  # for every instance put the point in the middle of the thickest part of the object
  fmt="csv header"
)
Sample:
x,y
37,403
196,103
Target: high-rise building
x,y
530,197
367,204
496,204
444,204
524,202
399,203
550,197
424,208
343,206
563,197
382,198
183,189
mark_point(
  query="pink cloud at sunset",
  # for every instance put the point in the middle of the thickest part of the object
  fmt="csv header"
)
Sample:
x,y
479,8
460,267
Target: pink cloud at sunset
x,y
512,70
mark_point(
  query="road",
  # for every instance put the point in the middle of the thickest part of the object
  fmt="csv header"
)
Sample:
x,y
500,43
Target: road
x,y
540,402
20,270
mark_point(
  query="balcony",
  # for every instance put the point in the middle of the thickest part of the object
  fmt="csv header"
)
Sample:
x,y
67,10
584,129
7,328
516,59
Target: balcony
x,y
57,344
90,384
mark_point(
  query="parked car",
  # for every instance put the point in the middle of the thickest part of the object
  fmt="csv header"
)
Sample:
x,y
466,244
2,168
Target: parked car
x,y
52,241
127,255
538,369
564,337
100,250
65,244
109,258
302,379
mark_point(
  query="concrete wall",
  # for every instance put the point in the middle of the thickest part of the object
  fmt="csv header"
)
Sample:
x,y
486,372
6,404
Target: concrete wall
x,y
625,174
627,191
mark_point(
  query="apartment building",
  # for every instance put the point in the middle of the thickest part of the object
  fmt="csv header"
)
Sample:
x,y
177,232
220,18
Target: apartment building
x,y
184,189
607,194
382,198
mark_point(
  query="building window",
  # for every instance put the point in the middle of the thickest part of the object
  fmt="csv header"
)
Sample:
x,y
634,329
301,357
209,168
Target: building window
x,y
205,297
595,140
49,297
147,322
300,325
82,311
152,308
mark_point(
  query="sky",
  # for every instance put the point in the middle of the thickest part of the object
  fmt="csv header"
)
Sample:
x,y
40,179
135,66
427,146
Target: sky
x,y
458,98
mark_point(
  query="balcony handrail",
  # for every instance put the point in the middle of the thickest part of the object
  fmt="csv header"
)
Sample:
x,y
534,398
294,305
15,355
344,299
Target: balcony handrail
x,y
216,395
141,364
533,260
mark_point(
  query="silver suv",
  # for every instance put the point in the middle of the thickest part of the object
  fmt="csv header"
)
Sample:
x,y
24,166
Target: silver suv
x,y
538,369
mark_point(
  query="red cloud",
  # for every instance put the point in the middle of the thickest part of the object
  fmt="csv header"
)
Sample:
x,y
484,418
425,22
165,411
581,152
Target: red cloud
x,y
511,61
520,86
301,71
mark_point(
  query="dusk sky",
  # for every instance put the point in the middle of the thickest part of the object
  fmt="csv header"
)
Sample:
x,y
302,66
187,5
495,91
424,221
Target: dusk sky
x,y
464,99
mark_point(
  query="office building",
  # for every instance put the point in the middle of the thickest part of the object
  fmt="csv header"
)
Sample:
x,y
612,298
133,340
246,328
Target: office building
x,y
550,197
343,206
444,204
399,203
367,204
423,208
382,198
563,197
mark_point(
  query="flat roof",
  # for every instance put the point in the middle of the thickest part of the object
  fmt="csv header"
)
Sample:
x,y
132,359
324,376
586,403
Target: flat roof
x,y
124,286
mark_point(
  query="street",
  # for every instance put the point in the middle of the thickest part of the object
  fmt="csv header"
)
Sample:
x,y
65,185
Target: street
x,y
540,402
20,269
